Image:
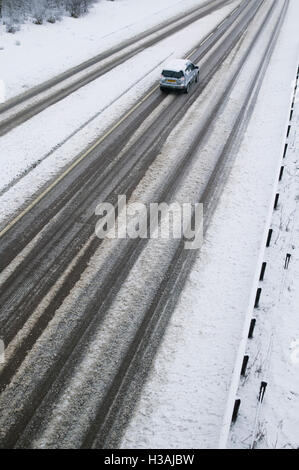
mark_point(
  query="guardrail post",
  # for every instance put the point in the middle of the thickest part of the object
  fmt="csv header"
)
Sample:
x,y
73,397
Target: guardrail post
x,y
262,275
251,328
244,365
287,261
262,390
257,298
236,410
269,238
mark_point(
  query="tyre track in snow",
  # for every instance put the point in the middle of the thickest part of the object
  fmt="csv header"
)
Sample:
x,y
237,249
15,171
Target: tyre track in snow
x,y
19,424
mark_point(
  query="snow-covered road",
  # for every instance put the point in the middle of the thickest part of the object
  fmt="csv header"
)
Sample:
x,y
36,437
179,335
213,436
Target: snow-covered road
x,y
82,318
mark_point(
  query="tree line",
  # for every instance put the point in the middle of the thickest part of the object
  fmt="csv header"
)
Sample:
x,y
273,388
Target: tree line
x,y
14,12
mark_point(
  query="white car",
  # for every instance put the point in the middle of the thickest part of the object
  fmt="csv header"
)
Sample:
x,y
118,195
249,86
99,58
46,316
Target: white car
x,y
179,75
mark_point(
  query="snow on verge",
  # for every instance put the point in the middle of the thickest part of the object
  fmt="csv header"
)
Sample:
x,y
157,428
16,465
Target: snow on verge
x,y
274,350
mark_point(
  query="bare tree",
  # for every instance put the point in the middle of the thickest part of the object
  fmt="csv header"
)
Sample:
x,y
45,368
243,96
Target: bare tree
x,y
13,12
77,7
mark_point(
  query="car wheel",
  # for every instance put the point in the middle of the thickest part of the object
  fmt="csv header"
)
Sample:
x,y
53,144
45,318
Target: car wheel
x,y
187,89
196,79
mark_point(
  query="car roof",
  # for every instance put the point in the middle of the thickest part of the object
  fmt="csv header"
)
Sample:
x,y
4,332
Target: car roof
x,y
177,65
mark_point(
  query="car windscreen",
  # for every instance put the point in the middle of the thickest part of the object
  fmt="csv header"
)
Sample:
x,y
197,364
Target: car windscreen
x,y
172,74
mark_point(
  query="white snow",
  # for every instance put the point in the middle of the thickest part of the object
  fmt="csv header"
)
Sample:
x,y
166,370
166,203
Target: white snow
x,y
184,400
176,65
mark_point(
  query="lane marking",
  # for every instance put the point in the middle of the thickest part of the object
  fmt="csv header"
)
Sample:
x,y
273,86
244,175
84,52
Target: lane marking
x,y
191,53
210,35
222,22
